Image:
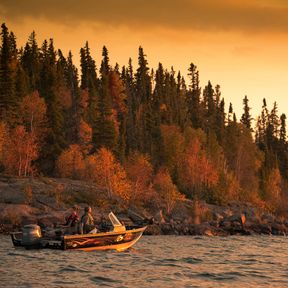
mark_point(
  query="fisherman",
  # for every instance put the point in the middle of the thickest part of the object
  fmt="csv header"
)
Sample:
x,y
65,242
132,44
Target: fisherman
x,y
73,218
87,221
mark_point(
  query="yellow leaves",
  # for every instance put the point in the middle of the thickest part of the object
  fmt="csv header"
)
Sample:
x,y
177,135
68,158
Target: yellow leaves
x,y
108,174
139,171
20,150
166,189
70,163
194,168
273,185
102,169
33,113
21,145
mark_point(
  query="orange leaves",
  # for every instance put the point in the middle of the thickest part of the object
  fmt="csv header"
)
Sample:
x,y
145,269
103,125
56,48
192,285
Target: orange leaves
x,y
194,169
102,169
20,150
166,189
108,174
21,146
139,171
33,113
70,163
273,185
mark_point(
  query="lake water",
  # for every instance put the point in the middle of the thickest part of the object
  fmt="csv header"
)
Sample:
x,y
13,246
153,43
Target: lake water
x,y
156,261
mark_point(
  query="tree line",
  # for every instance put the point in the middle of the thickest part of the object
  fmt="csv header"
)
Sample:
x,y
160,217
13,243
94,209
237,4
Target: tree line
x,y
146,136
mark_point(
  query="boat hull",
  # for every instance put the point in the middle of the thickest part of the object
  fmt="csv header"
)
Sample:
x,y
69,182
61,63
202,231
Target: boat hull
x,y
119,241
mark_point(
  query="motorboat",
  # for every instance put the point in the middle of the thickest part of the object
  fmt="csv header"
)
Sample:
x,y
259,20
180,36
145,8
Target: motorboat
x,y
119,238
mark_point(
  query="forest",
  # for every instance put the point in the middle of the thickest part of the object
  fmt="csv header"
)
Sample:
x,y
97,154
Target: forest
x,y
149,137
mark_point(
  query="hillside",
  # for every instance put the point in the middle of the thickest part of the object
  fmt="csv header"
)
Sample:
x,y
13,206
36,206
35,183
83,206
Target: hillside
x,y
46,201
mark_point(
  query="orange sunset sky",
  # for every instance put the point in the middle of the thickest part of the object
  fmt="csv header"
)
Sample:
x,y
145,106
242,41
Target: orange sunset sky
x,y
239,44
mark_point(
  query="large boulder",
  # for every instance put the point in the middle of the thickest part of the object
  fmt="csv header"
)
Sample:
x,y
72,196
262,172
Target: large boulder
x,y
153,230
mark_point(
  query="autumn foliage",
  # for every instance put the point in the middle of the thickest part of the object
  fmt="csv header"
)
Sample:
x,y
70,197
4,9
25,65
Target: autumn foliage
x,y
70,163
140,173
195,170
33,114
21,150
22,143
168,192
116,127
108,174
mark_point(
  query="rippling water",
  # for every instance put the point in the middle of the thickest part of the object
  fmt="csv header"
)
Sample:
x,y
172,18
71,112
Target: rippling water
x,y
156,261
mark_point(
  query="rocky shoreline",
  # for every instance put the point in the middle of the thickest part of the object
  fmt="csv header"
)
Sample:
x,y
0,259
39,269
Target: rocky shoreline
x,y
46,201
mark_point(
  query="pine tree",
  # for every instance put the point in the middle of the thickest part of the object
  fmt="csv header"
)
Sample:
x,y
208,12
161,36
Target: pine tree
x,y
55,141
283,128
129,82
181,113
76,109
220,121
193,98
246,118
230,113
31,63
89,82
283,148
209,107
144,116
104,134
8,99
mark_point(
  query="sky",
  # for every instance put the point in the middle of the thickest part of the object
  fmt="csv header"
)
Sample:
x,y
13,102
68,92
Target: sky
x,y
242,45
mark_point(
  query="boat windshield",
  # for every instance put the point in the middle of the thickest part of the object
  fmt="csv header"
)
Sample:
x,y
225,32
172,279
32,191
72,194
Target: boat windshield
x,y
114,220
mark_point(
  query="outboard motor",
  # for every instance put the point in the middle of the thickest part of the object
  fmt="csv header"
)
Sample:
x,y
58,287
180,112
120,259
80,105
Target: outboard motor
x,y
31,236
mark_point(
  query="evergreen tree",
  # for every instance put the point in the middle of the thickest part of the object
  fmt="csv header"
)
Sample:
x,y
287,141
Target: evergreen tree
x,y
144,116
104,134
55,141
193,98
31,63
89,82
76,109
230,113
220,121
181,113
209,107
283,129
8,99
283,148
246,118
174,103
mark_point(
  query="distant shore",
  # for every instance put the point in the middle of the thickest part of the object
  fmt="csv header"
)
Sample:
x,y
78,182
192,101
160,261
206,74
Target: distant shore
x,y
46,201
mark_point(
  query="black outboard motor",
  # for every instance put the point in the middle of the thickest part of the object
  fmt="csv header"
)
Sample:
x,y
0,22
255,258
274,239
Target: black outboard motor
x,y
31,236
